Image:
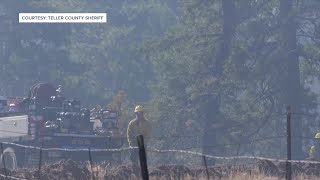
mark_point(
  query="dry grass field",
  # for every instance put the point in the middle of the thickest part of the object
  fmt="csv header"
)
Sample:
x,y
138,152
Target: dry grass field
x,y
262,170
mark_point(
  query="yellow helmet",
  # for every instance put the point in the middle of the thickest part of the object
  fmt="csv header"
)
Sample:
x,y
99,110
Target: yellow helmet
x,y
138,109
317,136
312,148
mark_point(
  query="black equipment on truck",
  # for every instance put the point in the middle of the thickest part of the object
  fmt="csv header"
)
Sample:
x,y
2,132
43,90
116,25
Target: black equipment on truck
x,y
49,120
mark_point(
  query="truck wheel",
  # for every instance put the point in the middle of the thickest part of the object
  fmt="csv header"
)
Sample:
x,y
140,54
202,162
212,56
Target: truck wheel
x,y
9,158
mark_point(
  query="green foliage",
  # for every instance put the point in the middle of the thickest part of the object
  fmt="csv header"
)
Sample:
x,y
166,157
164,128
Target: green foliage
x,y
252,89
177,58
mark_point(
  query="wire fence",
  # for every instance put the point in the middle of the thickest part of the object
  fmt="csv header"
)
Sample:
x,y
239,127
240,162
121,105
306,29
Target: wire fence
x,y
153,138
39,157
189,155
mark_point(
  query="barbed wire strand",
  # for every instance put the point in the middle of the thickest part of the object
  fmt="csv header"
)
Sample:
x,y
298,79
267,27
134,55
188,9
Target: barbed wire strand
x,y
168,151
209,146
11,177
230,157
188,136
71,150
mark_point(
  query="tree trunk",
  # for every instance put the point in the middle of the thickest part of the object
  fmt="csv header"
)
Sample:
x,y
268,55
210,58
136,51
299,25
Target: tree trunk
x,y
292,79
212,103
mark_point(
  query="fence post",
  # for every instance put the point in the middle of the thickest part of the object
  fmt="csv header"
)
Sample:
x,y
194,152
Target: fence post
x,y
288,164
40,162
205,164
91,164
3,161
143,158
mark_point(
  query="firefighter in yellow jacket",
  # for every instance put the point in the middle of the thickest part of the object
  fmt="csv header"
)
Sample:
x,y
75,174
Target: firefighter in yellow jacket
x,y
138,126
